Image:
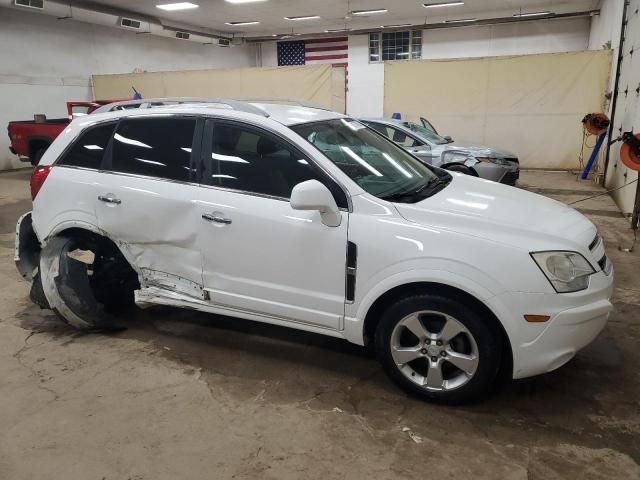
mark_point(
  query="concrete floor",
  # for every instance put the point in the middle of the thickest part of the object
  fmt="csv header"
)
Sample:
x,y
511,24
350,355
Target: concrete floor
x,y
182,395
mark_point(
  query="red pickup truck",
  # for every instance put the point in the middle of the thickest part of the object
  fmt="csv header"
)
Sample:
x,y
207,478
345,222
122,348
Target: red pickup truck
x,y
31,138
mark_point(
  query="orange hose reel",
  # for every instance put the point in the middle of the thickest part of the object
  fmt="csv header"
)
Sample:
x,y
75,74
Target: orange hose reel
x,y
596,123
630,150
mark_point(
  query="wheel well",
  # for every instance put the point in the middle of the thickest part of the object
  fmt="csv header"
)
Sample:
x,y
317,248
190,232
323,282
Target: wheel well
x,y
95,240
397,293
471,170
35,144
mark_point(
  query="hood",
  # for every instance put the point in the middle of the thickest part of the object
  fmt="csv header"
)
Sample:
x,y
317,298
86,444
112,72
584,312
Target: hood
x,y
479,150
504,214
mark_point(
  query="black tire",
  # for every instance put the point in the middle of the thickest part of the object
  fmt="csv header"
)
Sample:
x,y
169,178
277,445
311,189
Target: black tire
x,y
82,300
487,349
35,160
461,168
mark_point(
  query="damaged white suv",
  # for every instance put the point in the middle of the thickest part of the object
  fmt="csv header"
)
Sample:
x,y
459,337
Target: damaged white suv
x,y
303,217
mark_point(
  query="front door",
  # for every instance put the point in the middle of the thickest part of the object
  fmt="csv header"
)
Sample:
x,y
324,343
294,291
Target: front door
x,y
260,255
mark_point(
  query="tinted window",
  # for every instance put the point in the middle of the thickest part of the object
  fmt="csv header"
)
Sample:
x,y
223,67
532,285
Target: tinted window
x,y
89,149
398,136
250,160
155,147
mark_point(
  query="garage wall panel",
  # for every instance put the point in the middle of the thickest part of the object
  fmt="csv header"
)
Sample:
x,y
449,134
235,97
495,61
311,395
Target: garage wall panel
x,y
627,114
45,62
314,83
529,104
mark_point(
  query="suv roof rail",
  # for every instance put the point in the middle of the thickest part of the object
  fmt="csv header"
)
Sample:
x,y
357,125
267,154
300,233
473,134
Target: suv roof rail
x,y
295,101
234,104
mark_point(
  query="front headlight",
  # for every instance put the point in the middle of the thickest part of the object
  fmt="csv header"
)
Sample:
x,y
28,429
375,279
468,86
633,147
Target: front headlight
x,y
566,271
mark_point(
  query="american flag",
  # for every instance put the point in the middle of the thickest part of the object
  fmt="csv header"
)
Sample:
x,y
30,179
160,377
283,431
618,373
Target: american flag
x,y
314,52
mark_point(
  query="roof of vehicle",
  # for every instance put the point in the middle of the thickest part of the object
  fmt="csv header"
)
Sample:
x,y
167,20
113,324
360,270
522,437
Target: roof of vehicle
x,y
392,121
284,111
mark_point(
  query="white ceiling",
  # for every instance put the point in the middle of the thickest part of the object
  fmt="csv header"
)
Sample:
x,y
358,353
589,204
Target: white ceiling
x,y
212,14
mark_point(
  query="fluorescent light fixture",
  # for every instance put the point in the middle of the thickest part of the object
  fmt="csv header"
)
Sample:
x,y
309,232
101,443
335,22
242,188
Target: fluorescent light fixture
x,y
369,12
461,20
399,25
303,17
172,7
442,4
241,24
532,14
244,1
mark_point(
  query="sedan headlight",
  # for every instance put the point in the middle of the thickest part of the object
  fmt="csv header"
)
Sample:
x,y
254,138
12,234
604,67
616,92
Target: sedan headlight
x,y
566,271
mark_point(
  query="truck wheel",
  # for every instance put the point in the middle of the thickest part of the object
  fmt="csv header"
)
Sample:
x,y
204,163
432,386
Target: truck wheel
x,y
37,156
438,349
85,285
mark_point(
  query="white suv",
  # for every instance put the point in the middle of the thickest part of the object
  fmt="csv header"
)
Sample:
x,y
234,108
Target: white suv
x,y
306,218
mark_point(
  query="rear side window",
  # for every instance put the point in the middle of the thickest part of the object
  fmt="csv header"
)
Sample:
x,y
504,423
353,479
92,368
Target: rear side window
x,y
89,149
154,147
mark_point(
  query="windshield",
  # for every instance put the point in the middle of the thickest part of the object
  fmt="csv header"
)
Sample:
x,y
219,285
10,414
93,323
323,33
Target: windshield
x,y
373,162
426,133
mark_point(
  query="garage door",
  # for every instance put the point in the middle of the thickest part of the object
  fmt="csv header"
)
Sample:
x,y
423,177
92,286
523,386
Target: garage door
x,y
627,109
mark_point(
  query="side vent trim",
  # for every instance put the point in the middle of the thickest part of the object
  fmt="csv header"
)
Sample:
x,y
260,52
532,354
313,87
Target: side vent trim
x,y
351,272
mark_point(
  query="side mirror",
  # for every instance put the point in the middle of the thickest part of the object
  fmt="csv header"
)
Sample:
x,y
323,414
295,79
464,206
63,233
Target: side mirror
x,y
448,138
313,195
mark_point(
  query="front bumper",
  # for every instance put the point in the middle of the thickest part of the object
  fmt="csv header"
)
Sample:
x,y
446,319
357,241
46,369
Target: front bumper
x,y
507,174
576,320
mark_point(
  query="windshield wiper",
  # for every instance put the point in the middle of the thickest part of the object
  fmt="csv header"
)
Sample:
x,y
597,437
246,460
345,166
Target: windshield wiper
x,y
429,187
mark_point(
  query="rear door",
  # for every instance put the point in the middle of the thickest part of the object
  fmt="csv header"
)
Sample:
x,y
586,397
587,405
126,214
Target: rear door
x,y
147,198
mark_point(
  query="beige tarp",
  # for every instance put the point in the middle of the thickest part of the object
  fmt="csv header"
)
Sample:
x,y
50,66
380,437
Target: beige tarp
x,y
531,105
317,83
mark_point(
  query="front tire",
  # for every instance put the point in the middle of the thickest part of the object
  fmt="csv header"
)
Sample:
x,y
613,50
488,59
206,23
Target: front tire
x,y
439,349
37,156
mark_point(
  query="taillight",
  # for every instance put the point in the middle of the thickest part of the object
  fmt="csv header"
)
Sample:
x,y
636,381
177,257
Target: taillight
x,y
38,177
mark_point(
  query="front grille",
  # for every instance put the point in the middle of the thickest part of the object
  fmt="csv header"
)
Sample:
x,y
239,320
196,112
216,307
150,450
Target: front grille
x,y
510,178
512,159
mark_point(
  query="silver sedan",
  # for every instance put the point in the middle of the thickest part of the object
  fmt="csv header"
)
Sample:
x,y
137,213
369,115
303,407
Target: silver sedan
x,y
424,142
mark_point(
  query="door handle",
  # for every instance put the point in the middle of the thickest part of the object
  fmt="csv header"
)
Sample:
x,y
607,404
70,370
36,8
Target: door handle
x,y
109,199
215,218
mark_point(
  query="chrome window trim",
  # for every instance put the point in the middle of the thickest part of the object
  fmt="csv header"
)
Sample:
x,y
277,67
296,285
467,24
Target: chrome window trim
x,y
204,116
193,184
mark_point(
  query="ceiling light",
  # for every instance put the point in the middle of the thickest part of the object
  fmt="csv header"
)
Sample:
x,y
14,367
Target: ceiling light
x,y
303,17
442,4
461,20
532,14
244,1
369,12
172,7
240,24
396,26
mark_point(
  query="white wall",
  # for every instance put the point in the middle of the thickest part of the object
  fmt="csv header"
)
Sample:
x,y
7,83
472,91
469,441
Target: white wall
x,y
44,62
365,85
542,36
366,80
